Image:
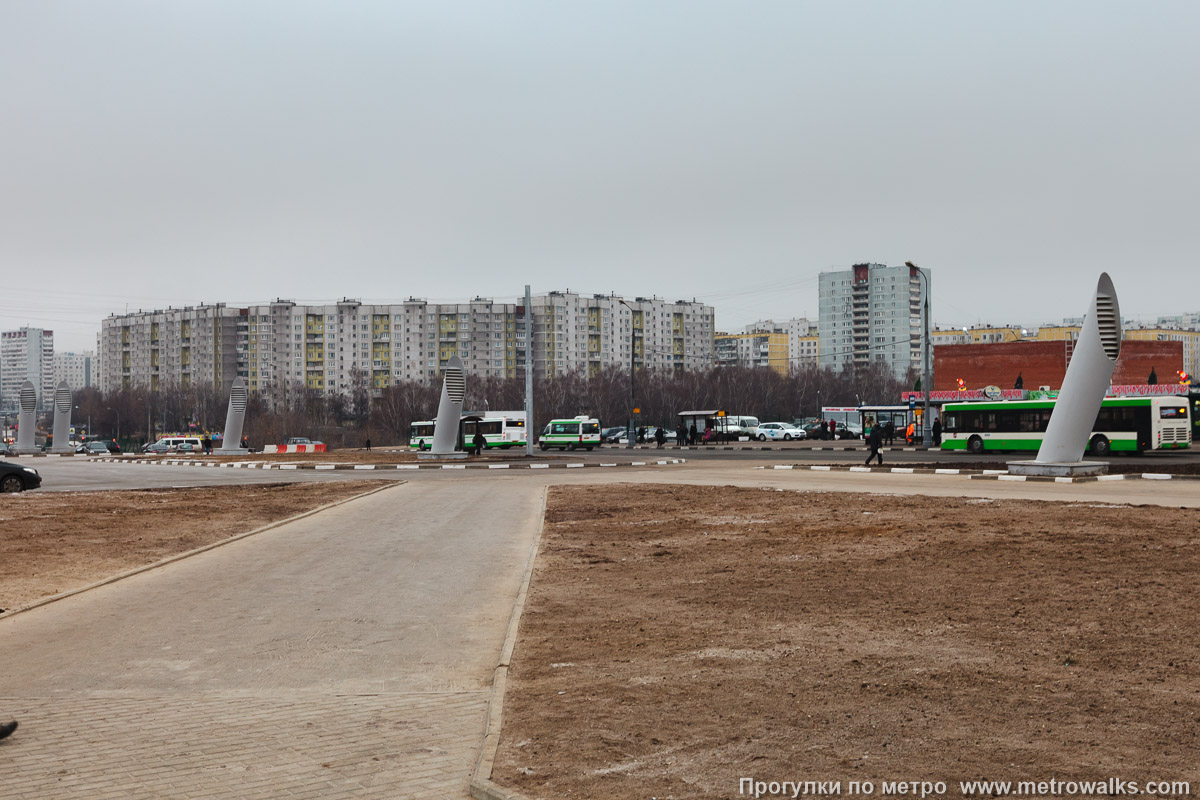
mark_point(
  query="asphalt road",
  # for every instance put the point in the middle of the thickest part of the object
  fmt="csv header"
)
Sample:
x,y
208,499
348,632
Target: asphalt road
x,y
741,470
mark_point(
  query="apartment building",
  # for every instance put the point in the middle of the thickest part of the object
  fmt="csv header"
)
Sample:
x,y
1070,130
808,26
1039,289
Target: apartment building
x,y
349,346
589,332
803,342
756,349
872,313
26,354
74,368
190,346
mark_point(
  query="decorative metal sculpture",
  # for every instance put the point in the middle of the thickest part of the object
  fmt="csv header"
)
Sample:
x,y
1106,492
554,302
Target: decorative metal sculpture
x,y
27,418
235,418
454,390
62,419
1087,380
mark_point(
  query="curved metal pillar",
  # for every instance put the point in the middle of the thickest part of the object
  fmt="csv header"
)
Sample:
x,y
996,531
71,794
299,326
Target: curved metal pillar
x,y
27,418
1087,379
231,441
62,419
454,390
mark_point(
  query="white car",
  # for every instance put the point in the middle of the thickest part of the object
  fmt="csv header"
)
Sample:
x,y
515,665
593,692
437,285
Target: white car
x,y
773,431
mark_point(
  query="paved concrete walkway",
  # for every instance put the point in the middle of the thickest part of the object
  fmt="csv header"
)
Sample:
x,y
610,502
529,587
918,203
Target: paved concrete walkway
x,y
346,655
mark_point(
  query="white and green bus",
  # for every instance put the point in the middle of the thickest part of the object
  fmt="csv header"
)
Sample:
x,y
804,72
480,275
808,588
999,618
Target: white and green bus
x,y
570,434
1124,425
500,430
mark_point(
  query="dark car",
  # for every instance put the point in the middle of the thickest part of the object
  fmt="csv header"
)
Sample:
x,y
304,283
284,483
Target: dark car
x,y
113,447
16,478
610,435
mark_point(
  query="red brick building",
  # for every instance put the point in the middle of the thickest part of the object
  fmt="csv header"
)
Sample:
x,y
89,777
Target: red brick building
x,y
1045,363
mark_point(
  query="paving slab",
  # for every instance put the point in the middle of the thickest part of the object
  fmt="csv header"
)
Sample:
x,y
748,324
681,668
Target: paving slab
x,y
349,653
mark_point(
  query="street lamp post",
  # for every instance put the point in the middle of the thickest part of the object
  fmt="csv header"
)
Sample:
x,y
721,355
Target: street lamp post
x,y
926,387
629,431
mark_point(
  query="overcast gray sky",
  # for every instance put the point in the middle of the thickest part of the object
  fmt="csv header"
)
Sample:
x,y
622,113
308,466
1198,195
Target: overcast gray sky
x,y
167,153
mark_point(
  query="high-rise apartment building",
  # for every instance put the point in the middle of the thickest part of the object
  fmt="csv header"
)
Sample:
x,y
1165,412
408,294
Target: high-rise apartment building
x,y
872,313
756,349
190,346
803,344
350,346
26,354
589,332
74,368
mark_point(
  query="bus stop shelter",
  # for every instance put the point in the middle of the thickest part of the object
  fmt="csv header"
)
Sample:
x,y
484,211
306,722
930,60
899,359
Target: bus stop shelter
x,y
713,418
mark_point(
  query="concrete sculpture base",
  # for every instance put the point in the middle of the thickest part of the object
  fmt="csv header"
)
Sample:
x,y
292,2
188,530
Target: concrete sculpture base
x,y
441,456
1070,469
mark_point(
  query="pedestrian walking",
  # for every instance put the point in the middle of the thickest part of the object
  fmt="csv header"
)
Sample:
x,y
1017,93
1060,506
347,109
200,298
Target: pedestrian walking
x,y
889,432
7,728
660,437
832,429
367,444
681,435
875,441
937,432
641,434
477,443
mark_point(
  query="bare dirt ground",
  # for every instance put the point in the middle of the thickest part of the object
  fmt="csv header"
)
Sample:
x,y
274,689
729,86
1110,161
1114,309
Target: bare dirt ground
x,y
54,542
676,640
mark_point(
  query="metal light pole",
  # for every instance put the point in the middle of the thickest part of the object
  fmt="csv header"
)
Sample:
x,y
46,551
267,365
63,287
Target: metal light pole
x,y
629,431
926,387
528,372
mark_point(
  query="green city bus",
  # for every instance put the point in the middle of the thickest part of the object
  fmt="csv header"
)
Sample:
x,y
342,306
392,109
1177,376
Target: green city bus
x,y
1124,425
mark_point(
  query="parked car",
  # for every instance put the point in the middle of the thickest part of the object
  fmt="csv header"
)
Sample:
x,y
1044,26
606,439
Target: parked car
x,y
113,447
94,448
610,435
6,449
301,440
16,478
157,448
778,430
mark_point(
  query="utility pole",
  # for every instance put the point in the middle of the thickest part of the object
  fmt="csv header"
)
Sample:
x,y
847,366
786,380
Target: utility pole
x,y
528,372
926,385
629,437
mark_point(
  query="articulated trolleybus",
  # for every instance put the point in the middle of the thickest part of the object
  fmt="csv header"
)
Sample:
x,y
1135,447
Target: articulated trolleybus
x,y
500,429
1124,425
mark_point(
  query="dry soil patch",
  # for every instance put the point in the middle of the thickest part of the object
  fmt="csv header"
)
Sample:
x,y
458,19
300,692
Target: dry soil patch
x,y
57,541
678,639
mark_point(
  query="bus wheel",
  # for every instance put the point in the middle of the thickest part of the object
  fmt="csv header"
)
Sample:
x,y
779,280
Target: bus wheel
x,y
544,446
1101,446
975,445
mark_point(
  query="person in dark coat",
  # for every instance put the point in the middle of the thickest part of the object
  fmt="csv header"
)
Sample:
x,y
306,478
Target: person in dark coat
x,y
875,441
681,435
641,434
693,437
937,432
889,432
478,443
660,437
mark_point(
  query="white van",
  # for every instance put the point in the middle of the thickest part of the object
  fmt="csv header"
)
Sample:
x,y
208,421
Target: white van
x,y
192,444
739,426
